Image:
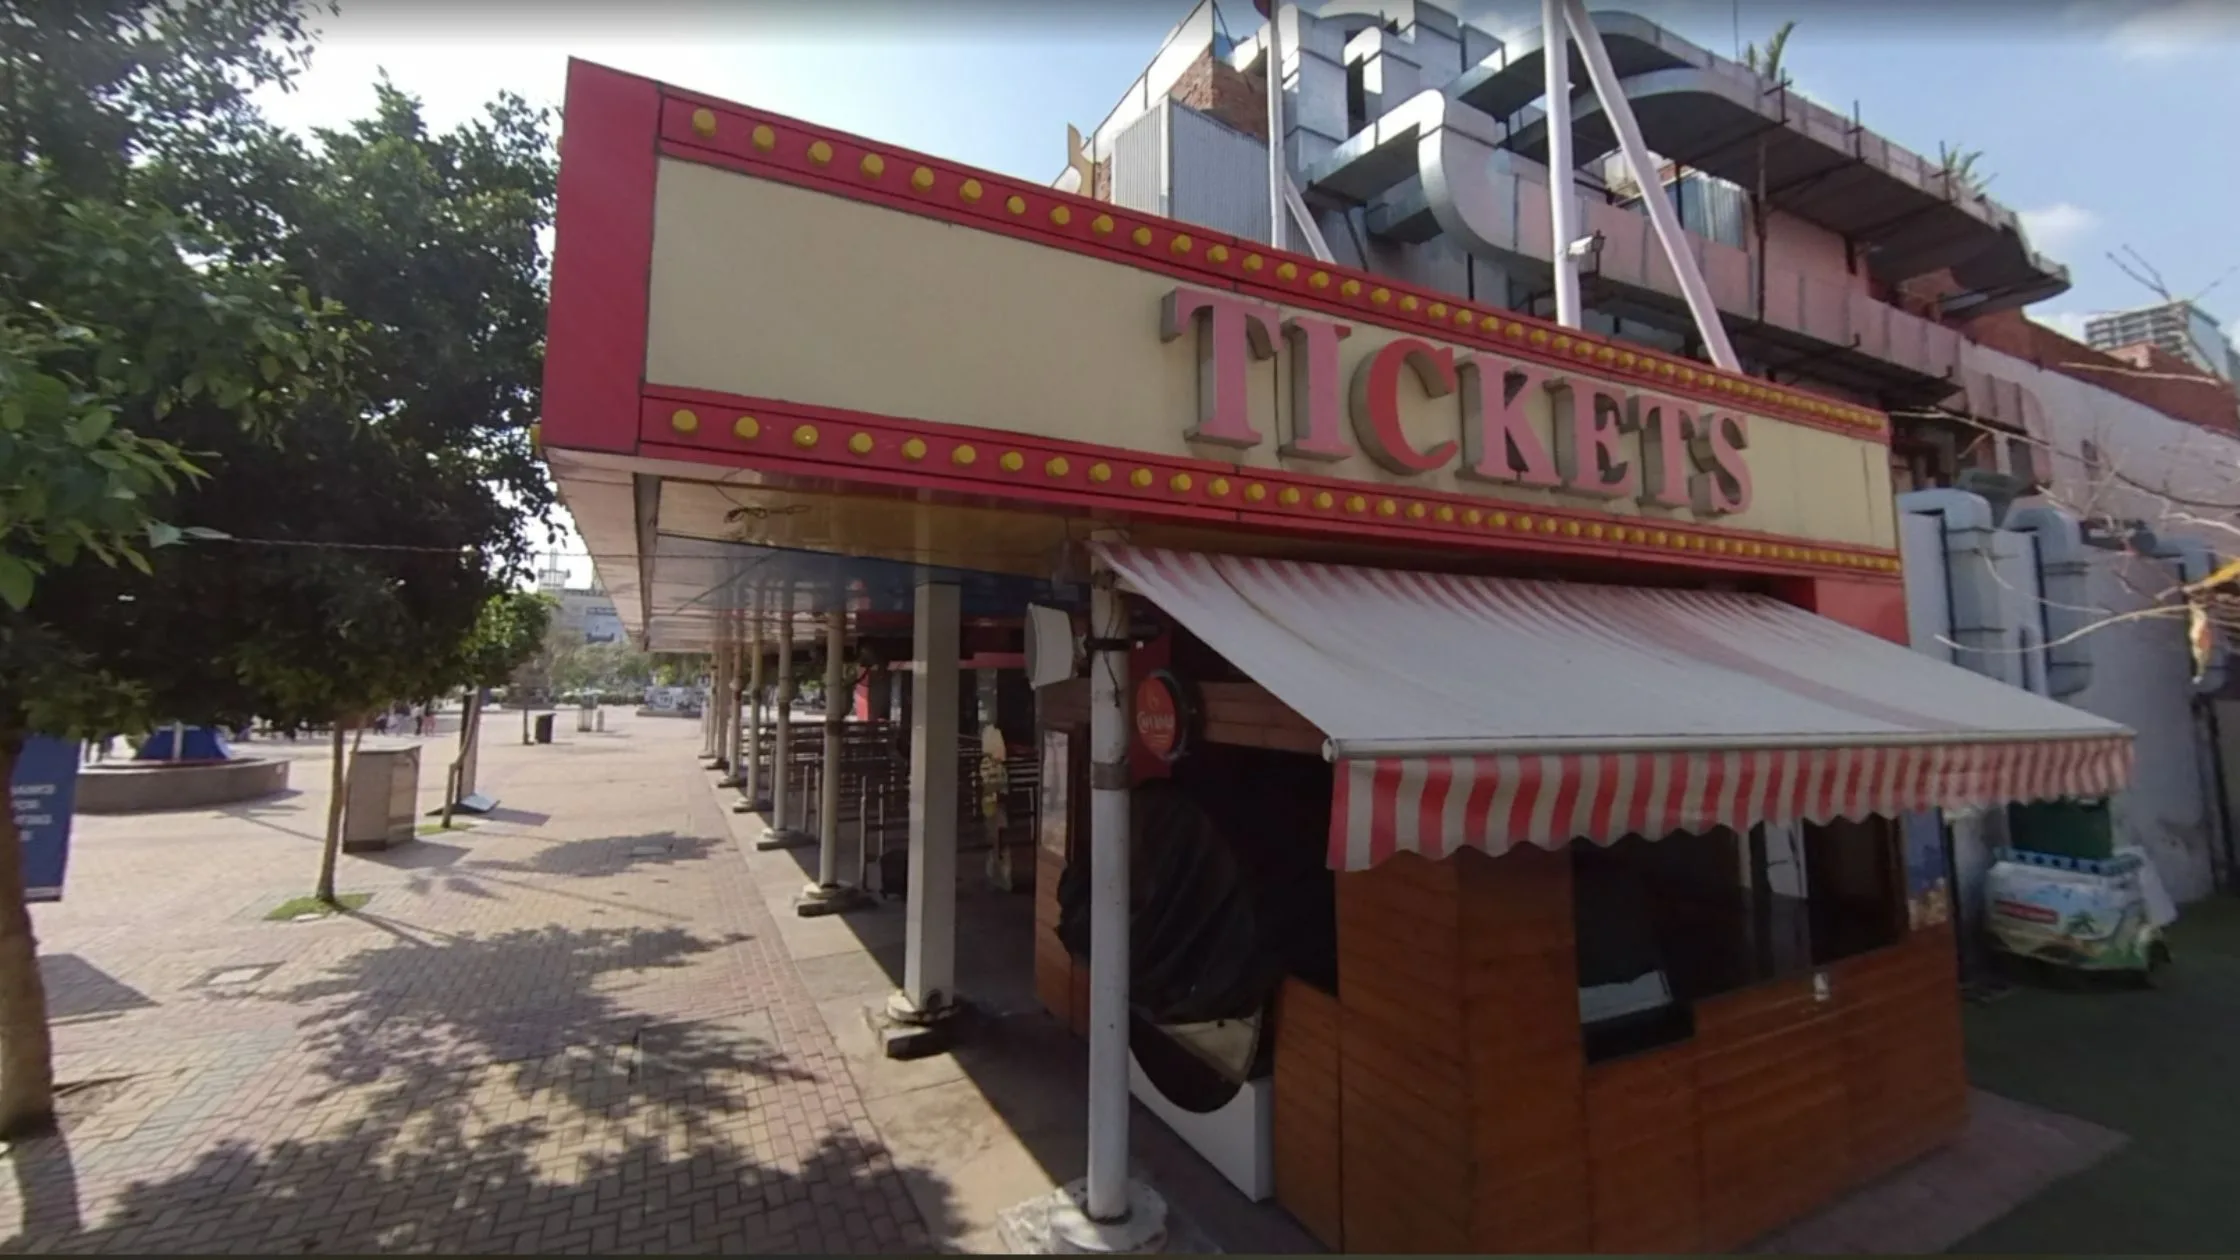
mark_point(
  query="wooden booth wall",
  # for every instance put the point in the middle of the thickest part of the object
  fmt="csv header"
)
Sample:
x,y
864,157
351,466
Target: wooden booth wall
x,y
1441,1101
1466,1119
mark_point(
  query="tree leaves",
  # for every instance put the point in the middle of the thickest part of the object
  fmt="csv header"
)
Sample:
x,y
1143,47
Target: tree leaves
x,y
105,328
15,581
199,318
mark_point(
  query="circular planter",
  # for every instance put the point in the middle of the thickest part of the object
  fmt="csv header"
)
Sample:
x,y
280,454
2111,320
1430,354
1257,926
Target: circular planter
x,y
144,787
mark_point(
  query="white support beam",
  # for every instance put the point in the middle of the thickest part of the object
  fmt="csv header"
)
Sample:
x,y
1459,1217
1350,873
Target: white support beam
x,y
1108,900
1563,174
1670,234
831,894
781,775
929,955
752,785
735,704
1309,230
828,781
1279,178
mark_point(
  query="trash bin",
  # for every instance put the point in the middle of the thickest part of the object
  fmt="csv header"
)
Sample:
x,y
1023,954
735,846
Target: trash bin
x,y
384,792
544,728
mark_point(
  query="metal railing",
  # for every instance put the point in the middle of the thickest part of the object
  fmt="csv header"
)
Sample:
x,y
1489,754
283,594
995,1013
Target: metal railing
x,y
874,796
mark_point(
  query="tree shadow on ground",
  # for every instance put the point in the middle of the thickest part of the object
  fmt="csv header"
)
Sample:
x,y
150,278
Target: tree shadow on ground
x,y
595,858
534,1090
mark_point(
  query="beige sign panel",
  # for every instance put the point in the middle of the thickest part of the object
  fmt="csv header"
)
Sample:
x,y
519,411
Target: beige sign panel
x,y
771,291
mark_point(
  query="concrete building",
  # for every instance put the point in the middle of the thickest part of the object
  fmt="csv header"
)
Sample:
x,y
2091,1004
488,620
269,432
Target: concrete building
x,y
1839,260
586,614
2179,329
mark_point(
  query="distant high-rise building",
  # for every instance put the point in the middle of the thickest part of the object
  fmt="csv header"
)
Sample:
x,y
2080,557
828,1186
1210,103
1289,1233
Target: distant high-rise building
x,y
2176,328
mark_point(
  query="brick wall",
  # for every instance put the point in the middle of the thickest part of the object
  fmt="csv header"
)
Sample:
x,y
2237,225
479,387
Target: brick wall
x,y
1238,99
2174,388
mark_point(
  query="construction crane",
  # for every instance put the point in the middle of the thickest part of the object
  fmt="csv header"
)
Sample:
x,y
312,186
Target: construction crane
x,y
2153,282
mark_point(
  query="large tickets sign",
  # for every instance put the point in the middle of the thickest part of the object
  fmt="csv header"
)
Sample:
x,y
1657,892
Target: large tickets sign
x,y
970,362
1604,441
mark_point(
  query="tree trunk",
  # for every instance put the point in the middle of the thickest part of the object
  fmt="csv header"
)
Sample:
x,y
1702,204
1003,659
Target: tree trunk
x,y
338,781
26,1047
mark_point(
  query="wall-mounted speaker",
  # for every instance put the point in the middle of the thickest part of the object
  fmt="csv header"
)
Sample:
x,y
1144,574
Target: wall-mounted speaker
x,y
1053,653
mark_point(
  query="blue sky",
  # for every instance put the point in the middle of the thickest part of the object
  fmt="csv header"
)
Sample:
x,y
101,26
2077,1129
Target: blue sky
x,y
2104,122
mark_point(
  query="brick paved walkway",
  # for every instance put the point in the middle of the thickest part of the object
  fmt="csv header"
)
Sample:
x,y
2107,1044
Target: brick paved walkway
x,y
572,1028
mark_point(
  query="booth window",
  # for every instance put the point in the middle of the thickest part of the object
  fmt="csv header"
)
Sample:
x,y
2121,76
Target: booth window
x,y
1664,924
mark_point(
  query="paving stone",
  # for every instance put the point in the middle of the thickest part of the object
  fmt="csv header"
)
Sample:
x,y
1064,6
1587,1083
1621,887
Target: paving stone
x,y
572,1028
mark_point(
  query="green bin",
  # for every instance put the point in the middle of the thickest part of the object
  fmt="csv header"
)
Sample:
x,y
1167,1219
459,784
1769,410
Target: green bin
x,y
2072,829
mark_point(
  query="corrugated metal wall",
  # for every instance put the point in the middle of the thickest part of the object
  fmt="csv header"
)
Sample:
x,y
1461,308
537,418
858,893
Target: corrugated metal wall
x,y
1220,175
1139,164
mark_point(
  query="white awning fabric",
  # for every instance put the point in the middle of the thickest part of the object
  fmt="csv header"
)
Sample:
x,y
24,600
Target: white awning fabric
x,y
1485,712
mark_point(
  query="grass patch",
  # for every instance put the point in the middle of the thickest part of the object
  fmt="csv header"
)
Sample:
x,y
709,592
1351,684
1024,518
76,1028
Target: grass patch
x,y
437,828
297,907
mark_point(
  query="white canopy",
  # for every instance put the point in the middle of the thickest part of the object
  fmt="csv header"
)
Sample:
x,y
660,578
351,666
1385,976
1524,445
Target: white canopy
x,y
1486,711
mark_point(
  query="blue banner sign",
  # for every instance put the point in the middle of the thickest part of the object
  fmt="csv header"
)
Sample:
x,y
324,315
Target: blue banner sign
x,y
44,795
1928,890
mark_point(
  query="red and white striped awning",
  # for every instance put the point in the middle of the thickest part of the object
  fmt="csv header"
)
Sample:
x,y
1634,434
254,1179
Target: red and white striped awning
x,y
1487,712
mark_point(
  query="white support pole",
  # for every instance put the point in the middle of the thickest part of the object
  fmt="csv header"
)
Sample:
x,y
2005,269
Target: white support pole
x,y
755,683
1612,94
707,714
830,894
1279,177
781,775
1107,1190
1563,175
721,687
828,804
736,701
929,955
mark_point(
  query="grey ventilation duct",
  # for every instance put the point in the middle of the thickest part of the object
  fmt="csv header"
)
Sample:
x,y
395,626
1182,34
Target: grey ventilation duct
x,y
2064,567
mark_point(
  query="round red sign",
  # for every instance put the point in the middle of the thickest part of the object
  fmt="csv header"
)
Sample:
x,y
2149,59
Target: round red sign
x,y
1158,717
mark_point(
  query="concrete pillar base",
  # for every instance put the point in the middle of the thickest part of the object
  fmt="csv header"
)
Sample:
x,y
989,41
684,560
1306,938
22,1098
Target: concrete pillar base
x,y
940,1007
913,1041
719,763
744,806
784,838
822,899
1057,1224
910,1031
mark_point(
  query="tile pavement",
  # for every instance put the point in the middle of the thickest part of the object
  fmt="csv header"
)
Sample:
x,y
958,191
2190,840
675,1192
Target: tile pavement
x,y
572,1028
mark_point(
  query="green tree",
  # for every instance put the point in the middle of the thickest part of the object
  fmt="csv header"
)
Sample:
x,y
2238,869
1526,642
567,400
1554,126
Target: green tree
x,y
431,242
600,667
1961,165
1767,65
120,320
312,363
511,628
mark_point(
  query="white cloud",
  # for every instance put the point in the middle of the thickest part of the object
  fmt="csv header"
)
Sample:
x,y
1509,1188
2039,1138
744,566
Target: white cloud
x,y
2055,228
2174,29
2069,324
